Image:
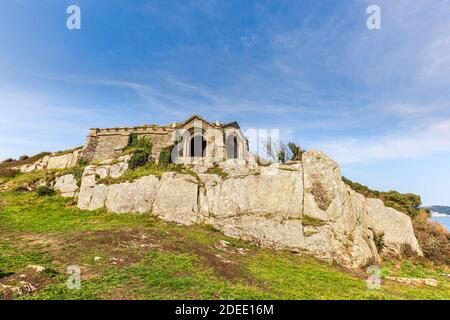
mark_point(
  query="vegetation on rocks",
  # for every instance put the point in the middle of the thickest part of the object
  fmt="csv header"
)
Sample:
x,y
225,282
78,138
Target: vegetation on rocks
x,y
44,191
138,159
10,163
311,221
141,149
148,169
378,238
217,170
433,239
135,256
408,203
165,156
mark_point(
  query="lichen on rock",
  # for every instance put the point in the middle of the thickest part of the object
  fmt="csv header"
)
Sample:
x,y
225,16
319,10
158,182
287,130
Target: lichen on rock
x,y
271,206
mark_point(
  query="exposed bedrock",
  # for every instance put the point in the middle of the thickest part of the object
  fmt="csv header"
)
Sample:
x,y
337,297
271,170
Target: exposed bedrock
x,y
300,206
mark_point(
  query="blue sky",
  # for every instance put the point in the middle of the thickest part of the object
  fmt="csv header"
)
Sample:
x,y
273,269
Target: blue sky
x,y
377,101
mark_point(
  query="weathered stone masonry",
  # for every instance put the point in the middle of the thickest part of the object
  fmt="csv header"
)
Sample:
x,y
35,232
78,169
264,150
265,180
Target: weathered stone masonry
x,y
218,139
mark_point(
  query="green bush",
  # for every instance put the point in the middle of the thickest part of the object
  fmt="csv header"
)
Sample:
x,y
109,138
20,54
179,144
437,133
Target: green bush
x,y
378,238
165,155
282,156
132,140
44,191
24,157
433,238
138,159
296,151
140,143
83,163
408,203
8,172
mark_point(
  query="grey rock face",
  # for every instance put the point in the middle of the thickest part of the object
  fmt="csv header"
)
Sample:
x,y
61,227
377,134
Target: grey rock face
x,y
66,185
395,226
301,206
53,161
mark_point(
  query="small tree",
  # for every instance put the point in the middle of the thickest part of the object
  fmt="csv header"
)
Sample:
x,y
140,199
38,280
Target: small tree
x,y
165,156
282,157
138,159
142,150
296,152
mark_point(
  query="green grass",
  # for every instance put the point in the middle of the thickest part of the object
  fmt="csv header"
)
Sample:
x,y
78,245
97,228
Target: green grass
x,y
219,171
311,221
144,258
149,169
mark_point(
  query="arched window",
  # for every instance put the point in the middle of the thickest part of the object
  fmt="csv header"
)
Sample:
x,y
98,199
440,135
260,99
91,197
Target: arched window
x,y
197,146
232,147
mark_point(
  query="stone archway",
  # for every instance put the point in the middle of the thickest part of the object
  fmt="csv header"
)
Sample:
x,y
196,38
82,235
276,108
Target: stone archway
x,y
197,146
232,147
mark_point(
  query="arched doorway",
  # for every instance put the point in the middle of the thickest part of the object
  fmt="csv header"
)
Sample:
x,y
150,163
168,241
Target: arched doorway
x,y
232,147
197,146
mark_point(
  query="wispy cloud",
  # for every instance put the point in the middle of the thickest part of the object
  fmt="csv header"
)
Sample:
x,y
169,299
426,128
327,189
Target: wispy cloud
x,y
419,142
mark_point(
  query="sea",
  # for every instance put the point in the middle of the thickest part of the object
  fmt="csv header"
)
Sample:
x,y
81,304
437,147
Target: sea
x,y
443,219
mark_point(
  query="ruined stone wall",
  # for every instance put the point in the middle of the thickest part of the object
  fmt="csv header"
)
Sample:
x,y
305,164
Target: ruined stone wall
x,y
103,144
160,140
110,146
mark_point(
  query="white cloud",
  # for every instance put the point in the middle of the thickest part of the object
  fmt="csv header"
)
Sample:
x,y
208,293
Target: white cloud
x,y
436,57
417,143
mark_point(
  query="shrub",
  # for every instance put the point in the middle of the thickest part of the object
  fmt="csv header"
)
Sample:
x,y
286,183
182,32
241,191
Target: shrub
x,y
83,163
408,203
77,173
433,238
296,151
142,143
8,160
24,157
378,238
44,191
132,139
165,156
138,159
282,156
8,172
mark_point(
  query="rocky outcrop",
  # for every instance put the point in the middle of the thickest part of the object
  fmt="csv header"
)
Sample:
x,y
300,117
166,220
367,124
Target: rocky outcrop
x,y
393,226
54,161
66,185
301,206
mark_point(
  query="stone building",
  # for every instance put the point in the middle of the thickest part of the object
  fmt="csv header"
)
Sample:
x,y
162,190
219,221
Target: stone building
x,y
196,139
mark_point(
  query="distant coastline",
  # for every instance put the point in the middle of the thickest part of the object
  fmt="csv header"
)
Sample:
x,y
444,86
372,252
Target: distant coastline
x,y
442,218
437,214
439,209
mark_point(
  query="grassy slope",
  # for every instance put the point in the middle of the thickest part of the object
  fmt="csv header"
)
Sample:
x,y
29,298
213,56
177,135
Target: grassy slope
x,y
144,258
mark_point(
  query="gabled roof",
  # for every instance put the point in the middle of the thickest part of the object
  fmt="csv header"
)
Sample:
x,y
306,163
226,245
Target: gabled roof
x,y
195,116
233,124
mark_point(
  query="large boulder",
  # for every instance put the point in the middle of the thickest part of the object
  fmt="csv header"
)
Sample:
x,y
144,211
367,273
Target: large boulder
x,y
66,185
395,228
300,206
177,198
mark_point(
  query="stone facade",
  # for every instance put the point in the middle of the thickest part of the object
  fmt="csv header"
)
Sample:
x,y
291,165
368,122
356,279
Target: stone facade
x,y
196,139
